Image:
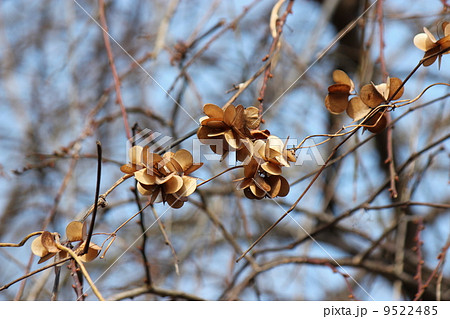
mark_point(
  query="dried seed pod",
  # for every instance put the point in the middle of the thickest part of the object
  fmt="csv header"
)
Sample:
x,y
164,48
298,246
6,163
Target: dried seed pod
x,y
376,123
337,99
76,231
357,109
91,254
37,248
371,96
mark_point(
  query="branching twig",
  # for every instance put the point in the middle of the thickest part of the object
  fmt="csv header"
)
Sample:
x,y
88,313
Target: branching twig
x,y
298,199
441,258
362,205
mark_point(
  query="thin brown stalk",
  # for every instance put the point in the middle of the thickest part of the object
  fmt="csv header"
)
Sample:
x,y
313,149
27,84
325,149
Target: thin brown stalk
x,y
101,8
32,273
167,241
82,268
274,49
23,241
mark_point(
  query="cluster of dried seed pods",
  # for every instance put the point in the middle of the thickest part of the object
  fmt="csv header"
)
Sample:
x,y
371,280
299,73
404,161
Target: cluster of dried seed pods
x,y
228,129
428,43
263,155
360,106
46,245
163,178
262,172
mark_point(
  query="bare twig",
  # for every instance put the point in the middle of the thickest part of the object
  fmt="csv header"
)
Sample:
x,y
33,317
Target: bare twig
x,y
101,9
166,240
97,192
82,268
275,47
298,199
23,241
32,273
146,263
135,292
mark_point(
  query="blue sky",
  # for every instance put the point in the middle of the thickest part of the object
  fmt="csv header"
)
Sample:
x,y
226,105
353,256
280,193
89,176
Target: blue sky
x,y
67,51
